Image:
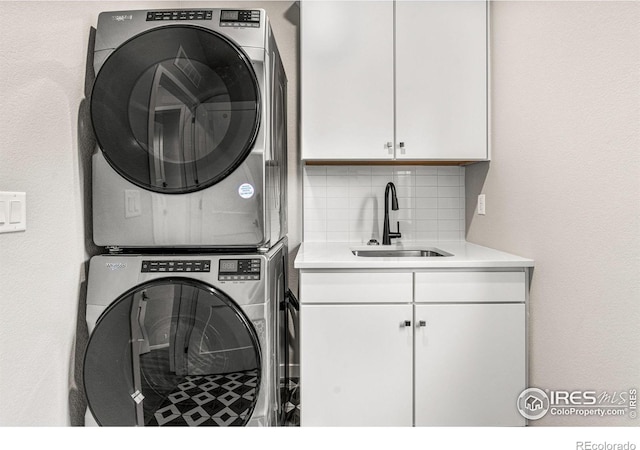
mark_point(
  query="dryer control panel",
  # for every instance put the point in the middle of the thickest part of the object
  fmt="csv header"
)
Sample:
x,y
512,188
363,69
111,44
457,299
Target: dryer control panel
x,y
239,269
180,14
177,266
240,18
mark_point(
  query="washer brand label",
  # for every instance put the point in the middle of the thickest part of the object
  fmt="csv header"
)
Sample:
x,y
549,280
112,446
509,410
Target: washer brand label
x,y
246,190
122,17
116,266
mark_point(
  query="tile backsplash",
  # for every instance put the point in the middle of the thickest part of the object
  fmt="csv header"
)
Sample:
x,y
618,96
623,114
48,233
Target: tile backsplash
x,y
346,203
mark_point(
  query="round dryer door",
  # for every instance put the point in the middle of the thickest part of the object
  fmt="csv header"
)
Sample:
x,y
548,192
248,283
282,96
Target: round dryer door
x,y
176,109
173,351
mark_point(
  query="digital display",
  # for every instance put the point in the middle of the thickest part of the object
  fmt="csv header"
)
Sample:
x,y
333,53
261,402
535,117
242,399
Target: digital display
x,y
229,15
228,265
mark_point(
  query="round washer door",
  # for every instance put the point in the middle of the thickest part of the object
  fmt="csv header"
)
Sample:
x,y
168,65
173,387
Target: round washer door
x,y
173,351
176,109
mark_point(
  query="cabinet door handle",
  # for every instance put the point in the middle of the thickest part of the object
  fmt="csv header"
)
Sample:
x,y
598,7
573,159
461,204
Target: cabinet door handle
x,y
422,323
390,147
406,323
402,149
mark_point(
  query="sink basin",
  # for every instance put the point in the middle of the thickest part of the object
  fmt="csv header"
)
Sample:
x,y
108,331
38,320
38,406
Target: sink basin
x,y
391,253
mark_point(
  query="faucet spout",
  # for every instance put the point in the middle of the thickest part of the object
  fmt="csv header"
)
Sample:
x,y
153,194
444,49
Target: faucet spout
x,y
387,235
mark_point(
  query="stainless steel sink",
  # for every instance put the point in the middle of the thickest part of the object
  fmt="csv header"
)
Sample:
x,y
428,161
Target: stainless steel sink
x,y
391,253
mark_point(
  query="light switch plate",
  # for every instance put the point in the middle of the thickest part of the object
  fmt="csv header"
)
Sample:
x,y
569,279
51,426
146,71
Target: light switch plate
x,y
481,205
13,211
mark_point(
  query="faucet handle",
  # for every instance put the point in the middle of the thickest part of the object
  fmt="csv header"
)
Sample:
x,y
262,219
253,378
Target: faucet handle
x,y
396,234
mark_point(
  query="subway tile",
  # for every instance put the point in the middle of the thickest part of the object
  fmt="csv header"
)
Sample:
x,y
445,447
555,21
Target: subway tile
x,y
360,181
448,191
426,225
360,237
426,191
405,203
386,171
426,180
315,181
315,236
380,182
403,170
426,235
426,170
315,191
337,236
337,225
449,225
339,192
359,170
337,170
338,202
348,202
338,180
315,170
404,191
426,202
315,225
315,214
404,180
448,170
427,214
449,214
448,180
449,235
314,202
449,203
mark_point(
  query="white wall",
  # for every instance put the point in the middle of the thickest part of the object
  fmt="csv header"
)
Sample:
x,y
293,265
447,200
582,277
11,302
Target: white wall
x,y
563,186
45,145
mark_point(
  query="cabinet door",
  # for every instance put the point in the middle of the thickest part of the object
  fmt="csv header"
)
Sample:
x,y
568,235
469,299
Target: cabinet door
x,y
346,54
355,365
441,80
469,364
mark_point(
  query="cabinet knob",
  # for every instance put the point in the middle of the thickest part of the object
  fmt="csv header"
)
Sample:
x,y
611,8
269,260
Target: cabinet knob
x,y
402,149
406,323
422,323
390,147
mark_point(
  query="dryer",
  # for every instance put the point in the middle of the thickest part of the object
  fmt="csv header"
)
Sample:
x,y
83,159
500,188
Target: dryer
x,y
189,113
187,340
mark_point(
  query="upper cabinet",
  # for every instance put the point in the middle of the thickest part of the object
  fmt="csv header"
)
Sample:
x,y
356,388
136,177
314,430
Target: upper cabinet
x,y
403,80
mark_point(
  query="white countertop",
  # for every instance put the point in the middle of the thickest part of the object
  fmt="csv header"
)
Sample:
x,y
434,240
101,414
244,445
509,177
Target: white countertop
x,y
337,255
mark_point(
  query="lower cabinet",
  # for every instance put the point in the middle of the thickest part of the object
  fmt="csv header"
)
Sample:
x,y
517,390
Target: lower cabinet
x,y
448,363
355,365
469,364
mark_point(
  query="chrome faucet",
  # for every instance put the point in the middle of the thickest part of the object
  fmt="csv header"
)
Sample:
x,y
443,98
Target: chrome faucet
x,y
386,234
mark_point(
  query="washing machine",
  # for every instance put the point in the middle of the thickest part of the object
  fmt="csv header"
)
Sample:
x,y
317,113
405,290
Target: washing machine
x,y
184,340
189,113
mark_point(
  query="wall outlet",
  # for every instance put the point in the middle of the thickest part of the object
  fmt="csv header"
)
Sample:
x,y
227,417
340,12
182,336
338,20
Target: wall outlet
x,y
481,205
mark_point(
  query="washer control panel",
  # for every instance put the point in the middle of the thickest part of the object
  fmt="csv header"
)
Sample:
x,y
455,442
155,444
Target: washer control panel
x,y
239,269
180,14
200,265
240,18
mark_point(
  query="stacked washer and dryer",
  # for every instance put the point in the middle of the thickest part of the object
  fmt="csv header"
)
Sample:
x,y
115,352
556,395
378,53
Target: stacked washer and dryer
x,y
189,203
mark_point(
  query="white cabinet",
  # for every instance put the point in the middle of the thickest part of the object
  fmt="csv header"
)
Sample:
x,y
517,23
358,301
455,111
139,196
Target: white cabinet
x,y
376,359
355,365
469,364
346,87
441,80
386,80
